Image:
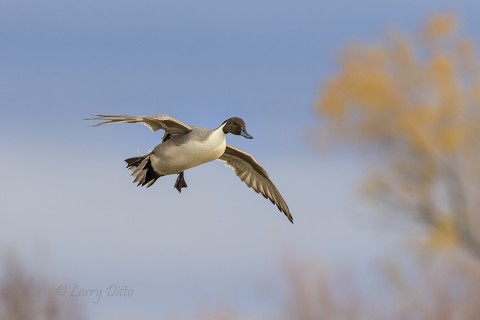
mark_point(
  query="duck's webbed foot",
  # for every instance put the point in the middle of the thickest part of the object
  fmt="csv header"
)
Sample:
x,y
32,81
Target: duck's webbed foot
x,y
180,183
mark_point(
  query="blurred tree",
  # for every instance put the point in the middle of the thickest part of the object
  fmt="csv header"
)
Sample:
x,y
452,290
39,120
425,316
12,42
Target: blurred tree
x,y
442,291
415,104
27,296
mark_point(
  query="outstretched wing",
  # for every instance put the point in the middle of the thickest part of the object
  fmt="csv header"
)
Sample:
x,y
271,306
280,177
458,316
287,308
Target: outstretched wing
x,y
156,122
254,176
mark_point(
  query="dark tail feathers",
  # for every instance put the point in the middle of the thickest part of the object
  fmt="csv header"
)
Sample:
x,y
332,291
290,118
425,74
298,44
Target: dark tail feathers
x,y
142,170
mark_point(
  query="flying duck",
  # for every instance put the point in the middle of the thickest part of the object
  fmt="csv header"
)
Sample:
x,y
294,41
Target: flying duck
x,y
184,147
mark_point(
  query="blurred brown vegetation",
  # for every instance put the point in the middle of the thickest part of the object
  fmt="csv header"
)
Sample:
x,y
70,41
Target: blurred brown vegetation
x,y
444,288
436,290
27,295
414,105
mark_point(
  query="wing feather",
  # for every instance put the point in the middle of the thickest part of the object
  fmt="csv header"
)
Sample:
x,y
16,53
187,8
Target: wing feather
x,y
155,122
254,176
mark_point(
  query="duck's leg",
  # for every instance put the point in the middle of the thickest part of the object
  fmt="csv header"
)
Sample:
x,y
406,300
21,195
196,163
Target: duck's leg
x,y
180,183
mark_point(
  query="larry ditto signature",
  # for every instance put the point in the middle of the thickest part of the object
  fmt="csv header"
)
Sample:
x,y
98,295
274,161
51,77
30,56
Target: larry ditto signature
x,y
95,294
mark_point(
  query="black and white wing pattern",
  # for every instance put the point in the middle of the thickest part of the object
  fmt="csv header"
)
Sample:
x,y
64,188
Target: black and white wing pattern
x,y
254,176
156,122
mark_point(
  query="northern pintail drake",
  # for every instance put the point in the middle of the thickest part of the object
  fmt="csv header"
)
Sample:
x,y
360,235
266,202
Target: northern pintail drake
x,y
184,147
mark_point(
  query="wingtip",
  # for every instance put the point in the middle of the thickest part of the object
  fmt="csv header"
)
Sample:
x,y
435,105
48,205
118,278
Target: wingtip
x,y
289,217
92,117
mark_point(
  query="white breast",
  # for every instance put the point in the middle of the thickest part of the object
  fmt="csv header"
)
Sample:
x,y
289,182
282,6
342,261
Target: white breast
x,y
171,158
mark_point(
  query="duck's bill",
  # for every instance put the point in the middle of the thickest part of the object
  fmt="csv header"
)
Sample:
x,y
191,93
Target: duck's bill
x,y
245,134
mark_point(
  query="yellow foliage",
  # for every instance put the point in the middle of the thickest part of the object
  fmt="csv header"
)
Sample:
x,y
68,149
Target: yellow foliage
x,y
443,236
450,139
418,101
332,104
440,26
419,96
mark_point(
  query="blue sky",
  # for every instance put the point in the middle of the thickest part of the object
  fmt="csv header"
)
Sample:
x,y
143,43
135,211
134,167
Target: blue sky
x,y
67,198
